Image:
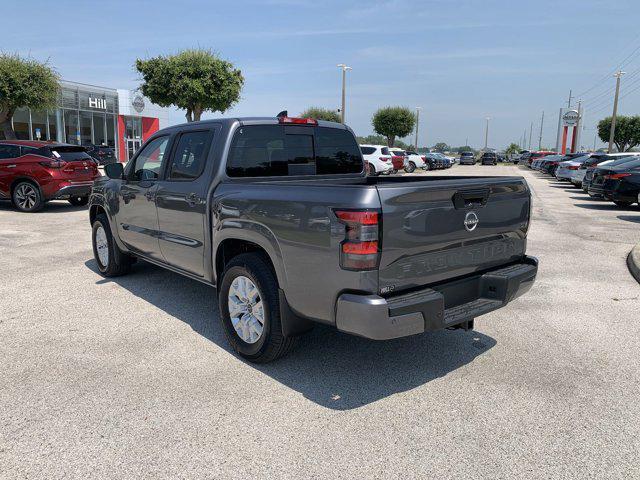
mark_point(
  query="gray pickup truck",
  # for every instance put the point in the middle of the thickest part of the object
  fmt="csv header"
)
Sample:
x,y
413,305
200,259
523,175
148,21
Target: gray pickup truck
x,y
279,216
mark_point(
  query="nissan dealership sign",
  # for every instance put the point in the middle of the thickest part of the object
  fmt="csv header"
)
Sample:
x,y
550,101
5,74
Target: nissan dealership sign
x,y
570,118
138,103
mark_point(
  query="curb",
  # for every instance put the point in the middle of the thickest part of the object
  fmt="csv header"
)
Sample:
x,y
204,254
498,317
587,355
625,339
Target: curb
x,y
633,262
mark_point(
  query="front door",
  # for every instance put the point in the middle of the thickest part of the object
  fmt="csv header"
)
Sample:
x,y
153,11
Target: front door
x,y
133,145
137,217
182,201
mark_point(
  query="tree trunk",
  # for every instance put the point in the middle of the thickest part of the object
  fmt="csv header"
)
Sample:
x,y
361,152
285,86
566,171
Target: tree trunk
x,y
391,139
197,113
189,116
7,129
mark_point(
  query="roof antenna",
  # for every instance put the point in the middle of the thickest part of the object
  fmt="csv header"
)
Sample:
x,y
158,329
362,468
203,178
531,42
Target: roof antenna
x,y
283,113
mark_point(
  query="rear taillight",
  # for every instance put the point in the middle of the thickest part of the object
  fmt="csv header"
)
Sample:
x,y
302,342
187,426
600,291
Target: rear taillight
x,y
616,176
53,163
298,121
573,167
360,249
385,159
423,158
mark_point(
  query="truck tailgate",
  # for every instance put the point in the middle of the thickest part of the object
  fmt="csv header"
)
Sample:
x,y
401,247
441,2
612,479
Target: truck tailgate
x,y
440,230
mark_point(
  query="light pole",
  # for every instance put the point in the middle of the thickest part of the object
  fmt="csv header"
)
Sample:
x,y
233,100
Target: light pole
x,y
612,132
344,83
486,133
417,124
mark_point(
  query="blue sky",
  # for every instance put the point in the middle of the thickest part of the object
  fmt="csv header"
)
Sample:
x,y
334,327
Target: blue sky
x,y
459,60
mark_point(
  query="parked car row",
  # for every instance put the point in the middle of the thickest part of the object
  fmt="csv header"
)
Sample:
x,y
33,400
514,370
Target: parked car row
x,y
380,159
485,158
608,176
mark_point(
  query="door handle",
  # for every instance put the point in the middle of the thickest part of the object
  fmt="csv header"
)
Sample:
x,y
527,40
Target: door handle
x,y
193,199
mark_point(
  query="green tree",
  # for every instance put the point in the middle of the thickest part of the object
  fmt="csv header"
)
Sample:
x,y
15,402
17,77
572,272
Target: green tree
x,y
512,148
465,148
441,147
320,113
627,134
194,80
393,122
24,82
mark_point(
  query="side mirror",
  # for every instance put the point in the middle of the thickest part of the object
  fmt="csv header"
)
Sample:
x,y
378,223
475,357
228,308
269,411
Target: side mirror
x,y
114,170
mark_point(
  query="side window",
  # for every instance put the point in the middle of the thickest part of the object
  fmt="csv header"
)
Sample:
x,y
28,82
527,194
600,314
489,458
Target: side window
x,y
149,161
9,151
367,150
190,156
27,150
268,151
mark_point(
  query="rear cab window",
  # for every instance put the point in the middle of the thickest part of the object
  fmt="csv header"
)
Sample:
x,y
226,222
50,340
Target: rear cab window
x,y
281,150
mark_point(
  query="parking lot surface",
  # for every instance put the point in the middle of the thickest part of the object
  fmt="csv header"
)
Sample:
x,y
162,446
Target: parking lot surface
x,y
132,377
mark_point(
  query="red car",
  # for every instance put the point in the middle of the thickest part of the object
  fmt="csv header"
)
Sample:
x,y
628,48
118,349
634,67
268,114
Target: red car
x,y
537,155
32,173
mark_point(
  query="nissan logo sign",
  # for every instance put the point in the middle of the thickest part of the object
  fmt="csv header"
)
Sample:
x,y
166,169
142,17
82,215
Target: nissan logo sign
x,y
138,103
570,118
471,221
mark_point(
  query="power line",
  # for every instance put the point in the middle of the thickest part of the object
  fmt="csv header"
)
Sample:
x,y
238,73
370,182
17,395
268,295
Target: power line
x,y
618,65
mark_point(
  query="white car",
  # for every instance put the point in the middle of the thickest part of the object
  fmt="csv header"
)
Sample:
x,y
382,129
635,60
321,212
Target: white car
x,y
568,168
377,158
414,161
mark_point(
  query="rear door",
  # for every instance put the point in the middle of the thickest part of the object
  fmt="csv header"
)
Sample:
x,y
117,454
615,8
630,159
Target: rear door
x,y
439,229
181,199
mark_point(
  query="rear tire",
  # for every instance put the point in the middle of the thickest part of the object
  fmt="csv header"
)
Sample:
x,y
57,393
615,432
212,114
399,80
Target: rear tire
x,y
410,168
26,197
78,201
371,170
111,261
250,287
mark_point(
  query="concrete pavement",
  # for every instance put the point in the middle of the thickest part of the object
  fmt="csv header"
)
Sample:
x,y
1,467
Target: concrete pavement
x,y
133,378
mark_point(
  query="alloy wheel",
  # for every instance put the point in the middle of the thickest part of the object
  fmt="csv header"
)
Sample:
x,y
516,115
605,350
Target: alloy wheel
x,y
102,246
246,309
26,196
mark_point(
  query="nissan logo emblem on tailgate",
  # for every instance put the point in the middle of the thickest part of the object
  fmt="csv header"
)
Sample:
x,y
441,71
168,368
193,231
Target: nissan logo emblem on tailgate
x,y
471,221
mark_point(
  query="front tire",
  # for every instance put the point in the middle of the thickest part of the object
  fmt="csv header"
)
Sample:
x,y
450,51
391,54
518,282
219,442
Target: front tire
x,y
250,309
78,201
410,168
27,197
371,170
112,262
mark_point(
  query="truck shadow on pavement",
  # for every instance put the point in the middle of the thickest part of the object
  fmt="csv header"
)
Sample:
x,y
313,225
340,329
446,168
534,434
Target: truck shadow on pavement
x,y
330,368
58,206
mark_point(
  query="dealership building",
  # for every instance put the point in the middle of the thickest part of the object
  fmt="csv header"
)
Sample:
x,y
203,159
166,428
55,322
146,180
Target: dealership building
x,y
91,115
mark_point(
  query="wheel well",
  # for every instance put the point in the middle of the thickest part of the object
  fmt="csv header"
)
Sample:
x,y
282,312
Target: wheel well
x,y
94,211
23,179
231,248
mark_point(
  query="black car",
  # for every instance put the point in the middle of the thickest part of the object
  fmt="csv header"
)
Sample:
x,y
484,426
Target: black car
x,y
623,187
489,158
600,174
103,154
590,165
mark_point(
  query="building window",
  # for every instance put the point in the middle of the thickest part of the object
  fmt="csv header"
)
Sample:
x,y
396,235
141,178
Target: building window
x,y
99,136
86,137
111,129
39,125
54,124
21,124
71,128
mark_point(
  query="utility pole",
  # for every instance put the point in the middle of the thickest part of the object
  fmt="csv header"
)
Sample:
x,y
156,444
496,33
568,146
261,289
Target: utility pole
x,y
486,133
618,74
578,126
530,134
466,142
344,83
524,140
569,102
540,137
417,124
